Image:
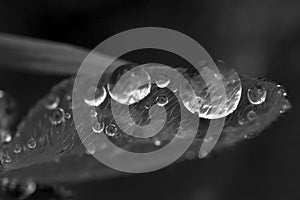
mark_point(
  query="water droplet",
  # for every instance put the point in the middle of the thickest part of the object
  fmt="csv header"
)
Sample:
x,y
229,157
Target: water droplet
x,y
51,101
7,158
241,121
5,136
57,116
162,81
68,97
285,107
212,95
250,136
31,143
91,149
180,133
251,115
98,127
157,142
29,188
162,100
257,94
95,96
93,113
17,149
111,130
132,87
68,115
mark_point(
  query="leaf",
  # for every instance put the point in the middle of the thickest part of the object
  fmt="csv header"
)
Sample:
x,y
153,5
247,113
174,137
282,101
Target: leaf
x,y
59,156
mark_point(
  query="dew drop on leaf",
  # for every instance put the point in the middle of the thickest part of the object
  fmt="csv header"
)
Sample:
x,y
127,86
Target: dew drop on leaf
x,y
162,100
17,149
111,130
162,81
257,94
95,96
31,144
51,101
251,115
98,127
57,116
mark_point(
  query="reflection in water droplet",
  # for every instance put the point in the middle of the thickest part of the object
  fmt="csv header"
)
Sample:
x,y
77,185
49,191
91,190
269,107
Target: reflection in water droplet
x,y
31,143
257,94
162,81
5,136
51,101
95,96
111,130
98,127
251,115
17,149
162,100
57,116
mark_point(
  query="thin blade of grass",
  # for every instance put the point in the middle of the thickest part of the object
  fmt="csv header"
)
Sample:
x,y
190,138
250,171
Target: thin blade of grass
x,y
47,57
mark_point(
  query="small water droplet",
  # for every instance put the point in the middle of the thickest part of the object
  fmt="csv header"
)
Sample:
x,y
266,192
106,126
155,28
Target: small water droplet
x,y
111,130
157,142
91,149
250,135
68,115
95,96
7,158
31,144
180,133
29,188
17,149
162,81
58,116
241,121
68,97
251,115
51,101
93,113
162,100
257,94
5,136
98,127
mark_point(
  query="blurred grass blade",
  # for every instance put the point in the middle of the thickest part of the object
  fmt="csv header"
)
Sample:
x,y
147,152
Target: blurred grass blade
x,y
41,56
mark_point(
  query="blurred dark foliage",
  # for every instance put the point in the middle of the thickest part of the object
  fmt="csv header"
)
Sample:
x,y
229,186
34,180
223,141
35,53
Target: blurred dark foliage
x,y
259,38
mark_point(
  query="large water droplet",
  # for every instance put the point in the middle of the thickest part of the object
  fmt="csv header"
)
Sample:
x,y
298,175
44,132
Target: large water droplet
x,y
257,94
57,116
206,96
6,157
51,101
95,96
132,87
98,127
111,130
162,100
31,143
17,149
93,113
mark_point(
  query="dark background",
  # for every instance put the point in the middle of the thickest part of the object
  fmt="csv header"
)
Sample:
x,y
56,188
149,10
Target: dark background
x,y
258,38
